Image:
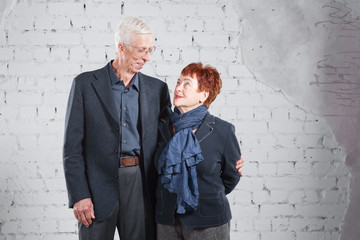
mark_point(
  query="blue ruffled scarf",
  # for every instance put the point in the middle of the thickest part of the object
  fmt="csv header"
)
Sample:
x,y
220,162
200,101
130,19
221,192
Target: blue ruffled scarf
x,y
177,163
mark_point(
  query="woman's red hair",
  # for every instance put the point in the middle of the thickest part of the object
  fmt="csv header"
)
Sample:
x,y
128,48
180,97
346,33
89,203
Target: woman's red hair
x,y
208,79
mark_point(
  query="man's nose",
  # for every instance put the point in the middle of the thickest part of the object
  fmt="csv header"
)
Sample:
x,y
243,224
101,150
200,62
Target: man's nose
x,y
146,56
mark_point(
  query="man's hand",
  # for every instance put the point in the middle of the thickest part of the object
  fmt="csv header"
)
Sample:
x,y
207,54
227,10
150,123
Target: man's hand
x,y
84,211
239,165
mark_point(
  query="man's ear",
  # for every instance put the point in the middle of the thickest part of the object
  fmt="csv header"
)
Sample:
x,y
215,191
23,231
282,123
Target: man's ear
x,y
121,48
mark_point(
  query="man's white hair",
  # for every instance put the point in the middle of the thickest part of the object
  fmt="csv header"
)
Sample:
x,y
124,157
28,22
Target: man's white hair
x,y
129,26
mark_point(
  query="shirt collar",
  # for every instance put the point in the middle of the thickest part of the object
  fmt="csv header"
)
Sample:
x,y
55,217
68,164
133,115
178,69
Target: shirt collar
x,y
115,80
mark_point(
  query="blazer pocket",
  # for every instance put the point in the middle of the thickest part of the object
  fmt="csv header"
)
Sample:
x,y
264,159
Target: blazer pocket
x,y
211,204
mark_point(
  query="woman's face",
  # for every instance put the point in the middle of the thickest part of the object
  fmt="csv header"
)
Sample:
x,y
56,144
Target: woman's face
x,y
186,94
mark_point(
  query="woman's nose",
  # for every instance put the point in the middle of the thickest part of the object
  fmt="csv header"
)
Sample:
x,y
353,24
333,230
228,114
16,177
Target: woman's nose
x,y
178,88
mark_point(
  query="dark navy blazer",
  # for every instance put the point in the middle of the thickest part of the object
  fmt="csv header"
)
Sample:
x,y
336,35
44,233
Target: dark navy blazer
x,y
90,152
216,174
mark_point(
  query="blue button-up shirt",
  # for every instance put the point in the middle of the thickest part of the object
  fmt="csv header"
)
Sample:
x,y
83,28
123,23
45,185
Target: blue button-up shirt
x,y
127,105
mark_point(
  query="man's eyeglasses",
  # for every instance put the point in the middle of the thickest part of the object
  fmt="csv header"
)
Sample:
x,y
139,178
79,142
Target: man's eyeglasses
x,y
141,51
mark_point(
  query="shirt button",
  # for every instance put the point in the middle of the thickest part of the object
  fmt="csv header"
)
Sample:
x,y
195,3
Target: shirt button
x,y
115,151
124,108
116,177
124,124
124,141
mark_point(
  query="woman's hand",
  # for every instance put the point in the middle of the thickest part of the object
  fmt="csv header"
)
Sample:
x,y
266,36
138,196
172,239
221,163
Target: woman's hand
x,y
239,165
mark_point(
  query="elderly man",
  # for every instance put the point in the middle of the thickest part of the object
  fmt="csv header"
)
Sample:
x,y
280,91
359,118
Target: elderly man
x,y
110,138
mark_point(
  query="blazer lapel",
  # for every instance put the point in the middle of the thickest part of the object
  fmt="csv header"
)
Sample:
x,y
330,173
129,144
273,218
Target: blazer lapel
x,y
144,104
102,86
205,128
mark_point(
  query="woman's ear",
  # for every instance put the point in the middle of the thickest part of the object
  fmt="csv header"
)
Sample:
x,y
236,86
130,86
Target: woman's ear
x,y
203,96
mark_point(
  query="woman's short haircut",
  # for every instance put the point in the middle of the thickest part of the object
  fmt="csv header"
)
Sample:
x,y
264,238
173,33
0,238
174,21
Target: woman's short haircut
x,y
129,26
208,79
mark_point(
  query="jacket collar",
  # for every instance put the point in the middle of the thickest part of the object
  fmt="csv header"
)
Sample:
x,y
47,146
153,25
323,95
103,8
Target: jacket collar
x,y
102,85
205,129
145,103
114,79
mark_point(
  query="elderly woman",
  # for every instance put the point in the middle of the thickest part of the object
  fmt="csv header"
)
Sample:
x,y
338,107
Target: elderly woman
x,y
196,157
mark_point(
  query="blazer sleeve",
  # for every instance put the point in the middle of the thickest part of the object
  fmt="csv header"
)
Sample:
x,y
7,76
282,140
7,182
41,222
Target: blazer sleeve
x,y
231,154
73,159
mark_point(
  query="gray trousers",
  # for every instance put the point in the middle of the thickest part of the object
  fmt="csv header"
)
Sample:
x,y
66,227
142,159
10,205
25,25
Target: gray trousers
x,y
181,232
128,214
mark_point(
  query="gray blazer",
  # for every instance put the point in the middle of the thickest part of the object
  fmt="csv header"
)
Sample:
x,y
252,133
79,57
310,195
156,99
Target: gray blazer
x,y
91,139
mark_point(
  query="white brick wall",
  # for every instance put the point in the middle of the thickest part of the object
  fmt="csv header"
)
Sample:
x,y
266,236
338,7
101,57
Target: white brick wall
x,y
295,184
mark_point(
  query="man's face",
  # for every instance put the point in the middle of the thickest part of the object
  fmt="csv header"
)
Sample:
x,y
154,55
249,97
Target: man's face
x,y
137,53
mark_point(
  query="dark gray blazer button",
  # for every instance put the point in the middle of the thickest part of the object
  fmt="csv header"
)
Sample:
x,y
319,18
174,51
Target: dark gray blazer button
x,y
116,177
